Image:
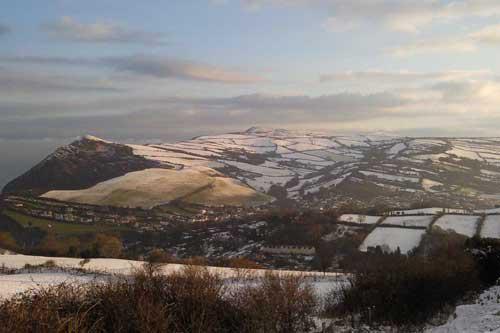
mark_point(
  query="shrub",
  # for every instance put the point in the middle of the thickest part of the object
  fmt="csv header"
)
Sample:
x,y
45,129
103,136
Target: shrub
x,y
192,300
279,305
393,289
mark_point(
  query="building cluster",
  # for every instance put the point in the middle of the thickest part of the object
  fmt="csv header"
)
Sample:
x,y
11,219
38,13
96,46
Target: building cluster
x,y
138,218
289,249
89,214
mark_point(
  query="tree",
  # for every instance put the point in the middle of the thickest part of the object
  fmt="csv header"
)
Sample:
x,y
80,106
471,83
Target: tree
x,y
7,241
159,256
325,253
108,246
49,245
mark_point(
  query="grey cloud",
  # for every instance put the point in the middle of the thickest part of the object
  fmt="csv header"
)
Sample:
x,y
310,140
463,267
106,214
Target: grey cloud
x,y
154,117
486,92
33,82
4,29
69,29
151,66
166,67
58,61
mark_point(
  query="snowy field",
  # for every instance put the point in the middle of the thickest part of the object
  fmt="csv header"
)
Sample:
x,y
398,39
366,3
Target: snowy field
x,y
491,227
16,283
392,238
359,219
427,211
98,269
409,221
461,224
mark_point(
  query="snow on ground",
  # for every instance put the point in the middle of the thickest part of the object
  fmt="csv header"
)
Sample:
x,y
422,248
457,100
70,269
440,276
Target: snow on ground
x,y
488,211
409,221
123,266
464,153
481,316
359,219
394,178
258,169
392,238
302,156
461,224
491,227
396,149
331,183
264,183
426,211
428,184
14,283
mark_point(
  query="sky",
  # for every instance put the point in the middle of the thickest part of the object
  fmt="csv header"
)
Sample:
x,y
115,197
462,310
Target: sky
x,y
147,70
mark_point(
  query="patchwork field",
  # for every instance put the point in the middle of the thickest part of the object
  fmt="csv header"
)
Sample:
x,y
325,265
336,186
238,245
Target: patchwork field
x,y
461,224
491,227
359,219
390,239
409,221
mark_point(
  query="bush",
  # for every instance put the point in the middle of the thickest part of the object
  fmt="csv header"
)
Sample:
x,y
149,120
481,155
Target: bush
x,y
392,289
278,305
486,253
192,300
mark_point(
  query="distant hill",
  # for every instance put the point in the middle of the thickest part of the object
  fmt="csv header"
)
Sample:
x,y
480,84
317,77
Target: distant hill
x,y
310,168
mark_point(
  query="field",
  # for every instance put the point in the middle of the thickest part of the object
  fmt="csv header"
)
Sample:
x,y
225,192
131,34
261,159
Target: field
x,y
359,219
393,238
461,224
491,227
154,187
409,221
101,268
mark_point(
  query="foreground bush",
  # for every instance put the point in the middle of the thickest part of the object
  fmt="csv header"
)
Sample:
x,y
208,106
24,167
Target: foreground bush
x,y
190,301
395,289
278,305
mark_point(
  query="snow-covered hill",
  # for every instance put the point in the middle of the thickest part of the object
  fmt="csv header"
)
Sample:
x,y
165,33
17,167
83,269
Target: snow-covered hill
x,y
306,164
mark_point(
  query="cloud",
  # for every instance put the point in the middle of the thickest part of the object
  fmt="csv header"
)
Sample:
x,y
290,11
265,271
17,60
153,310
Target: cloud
x,y
470,42
4,29
153,116
453,45
487,35
18,82
148,66
67,28
398,77
400,15
161,67
470,92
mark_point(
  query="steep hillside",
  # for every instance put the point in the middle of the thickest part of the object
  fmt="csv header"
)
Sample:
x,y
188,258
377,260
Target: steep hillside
x,y
79,165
